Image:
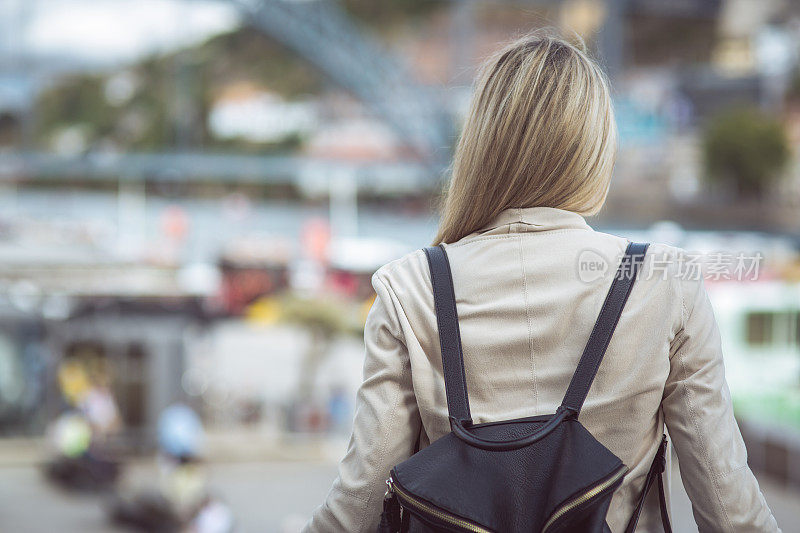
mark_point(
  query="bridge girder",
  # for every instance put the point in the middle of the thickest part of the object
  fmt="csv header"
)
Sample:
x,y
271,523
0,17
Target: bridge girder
x,y
321,33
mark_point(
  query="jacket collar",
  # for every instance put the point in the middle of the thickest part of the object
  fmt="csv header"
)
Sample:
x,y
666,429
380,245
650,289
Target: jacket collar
x,y
524,219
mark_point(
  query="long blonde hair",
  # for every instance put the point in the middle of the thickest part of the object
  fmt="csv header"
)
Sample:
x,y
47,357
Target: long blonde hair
x,y
540,132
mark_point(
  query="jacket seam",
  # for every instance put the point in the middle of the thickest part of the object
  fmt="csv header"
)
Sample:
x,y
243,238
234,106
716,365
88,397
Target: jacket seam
x,y
681,333
512,235
394,404
684,311
703,448
530,326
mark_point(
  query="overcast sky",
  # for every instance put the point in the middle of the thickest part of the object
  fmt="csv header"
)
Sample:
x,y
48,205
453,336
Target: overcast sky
x,y
106,31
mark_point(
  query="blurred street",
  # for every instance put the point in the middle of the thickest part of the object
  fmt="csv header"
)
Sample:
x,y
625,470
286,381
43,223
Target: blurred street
x,y
265,497
272,496
195,195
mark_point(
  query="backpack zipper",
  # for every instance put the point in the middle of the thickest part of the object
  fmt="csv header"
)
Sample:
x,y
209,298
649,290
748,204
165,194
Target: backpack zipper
x,y
412,503
585,497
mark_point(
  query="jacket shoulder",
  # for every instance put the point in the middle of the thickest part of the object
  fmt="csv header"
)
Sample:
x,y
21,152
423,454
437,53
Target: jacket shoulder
x,y
404,273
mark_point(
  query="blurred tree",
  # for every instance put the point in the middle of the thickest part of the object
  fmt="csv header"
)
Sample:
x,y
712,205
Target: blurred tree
x,y
745,150
793,90
77,102
81,103
325,319
10,128
388,13
246,54
134,108
655,39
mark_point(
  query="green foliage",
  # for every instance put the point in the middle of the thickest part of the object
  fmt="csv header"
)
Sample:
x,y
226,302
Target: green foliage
x,y
388,13
142,123
746,150
76,101
191,79
247,54
793,90
325,317
147,121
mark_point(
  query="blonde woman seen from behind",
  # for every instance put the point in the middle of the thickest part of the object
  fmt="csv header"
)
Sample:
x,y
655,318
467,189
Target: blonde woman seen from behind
x,y
535,156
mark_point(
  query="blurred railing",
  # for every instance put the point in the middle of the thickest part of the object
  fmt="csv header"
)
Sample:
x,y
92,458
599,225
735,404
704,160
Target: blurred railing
x,y
208,167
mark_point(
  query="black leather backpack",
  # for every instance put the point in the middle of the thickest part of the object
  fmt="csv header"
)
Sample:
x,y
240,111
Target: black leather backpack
x,y
536,474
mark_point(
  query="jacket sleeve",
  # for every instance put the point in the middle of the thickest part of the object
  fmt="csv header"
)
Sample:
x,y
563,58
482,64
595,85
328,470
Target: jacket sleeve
x,y
385,429
699,415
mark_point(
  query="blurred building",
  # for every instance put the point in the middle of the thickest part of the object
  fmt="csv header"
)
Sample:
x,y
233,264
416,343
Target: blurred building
x,y
75,305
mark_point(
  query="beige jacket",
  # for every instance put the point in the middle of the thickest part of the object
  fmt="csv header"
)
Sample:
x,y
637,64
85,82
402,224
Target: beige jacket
x,y
526,308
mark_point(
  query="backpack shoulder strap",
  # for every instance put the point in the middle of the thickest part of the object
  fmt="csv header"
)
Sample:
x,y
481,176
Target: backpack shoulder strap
x,y
604,327
656,473
455,382
450,335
